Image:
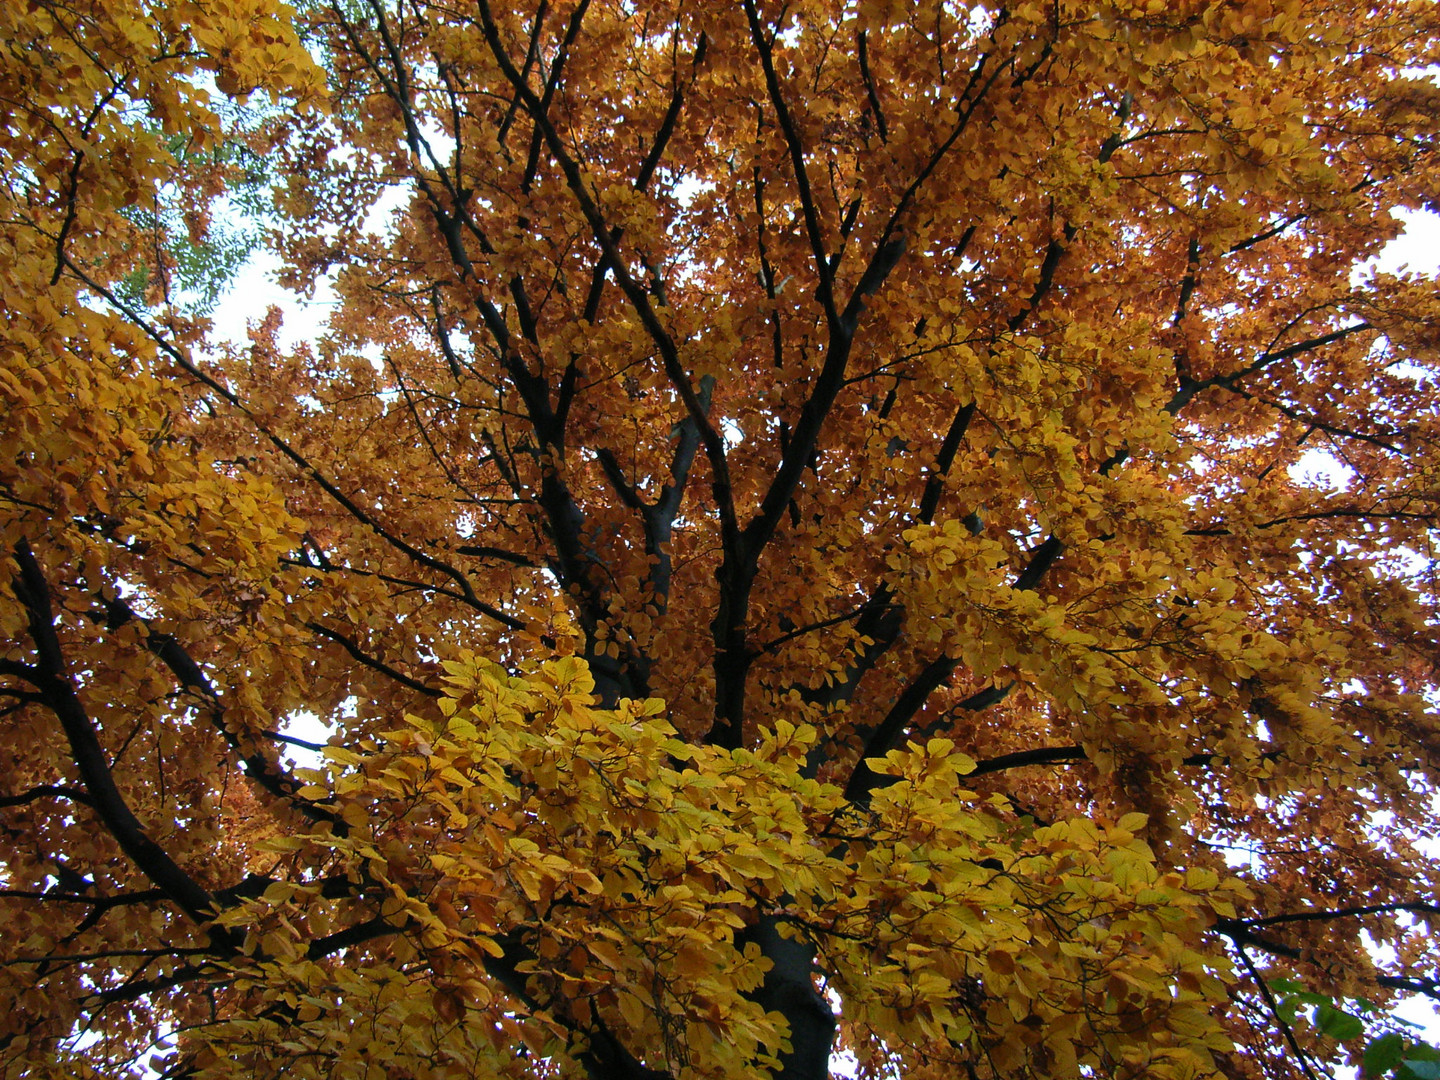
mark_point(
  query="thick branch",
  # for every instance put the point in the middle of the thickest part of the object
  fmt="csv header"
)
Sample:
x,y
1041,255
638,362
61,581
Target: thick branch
x,y
789,989
52,679
1416,907
935,479
270,776
660,517
99,902
862,48
372,662
46,791
1041,559
1190,387
885,736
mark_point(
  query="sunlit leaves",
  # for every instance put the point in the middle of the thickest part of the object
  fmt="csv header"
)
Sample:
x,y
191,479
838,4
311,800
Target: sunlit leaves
x,y
796,527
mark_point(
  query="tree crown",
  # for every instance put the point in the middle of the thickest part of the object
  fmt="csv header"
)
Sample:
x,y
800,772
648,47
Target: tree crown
x,y
795,533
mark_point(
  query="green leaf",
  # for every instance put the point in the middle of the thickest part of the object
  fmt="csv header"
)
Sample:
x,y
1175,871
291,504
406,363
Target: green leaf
x,y
1383,1054
1422,1070
1340,1025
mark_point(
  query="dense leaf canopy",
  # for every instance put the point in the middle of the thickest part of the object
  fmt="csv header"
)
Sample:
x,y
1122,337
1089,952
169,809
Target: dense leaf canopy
x,y
800,536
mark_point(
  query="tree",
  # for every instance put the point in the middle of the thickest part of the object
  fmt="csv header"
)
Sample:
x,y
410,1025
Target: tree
x,y
800,532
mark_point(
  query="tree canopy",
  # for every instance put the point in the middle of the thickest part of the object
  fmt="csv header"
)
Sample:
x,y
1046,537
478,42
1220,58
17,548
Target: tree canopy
x,y
800,534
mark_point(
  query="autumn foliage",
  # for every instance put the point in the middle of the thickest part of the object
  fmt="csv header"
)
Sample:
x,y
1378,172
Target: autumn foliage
x,y
799,544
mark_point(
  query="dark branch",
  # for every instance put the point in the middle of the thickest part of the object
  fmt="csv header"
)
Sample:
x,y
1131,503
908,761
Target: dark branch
x,y
1417,907
372,662
1048,755
935,479
270,776
1190,387
46,791
1041,559
889,731
1274,1007
479,551
874,99
54,683
100,902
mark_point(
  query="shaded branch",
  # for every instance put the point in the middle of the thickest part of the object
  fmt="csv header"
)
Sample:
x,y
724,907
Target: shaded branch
x,y
629,497
191,677
1190,387
935,478
480,551
667,125
104,954
53,681
1340,513
252,886
46,791
103,903
1412,984
809,628
889,731
1041,559
809,212
372,662
660,517
1417,907
871,96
